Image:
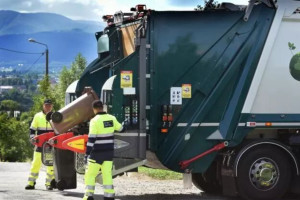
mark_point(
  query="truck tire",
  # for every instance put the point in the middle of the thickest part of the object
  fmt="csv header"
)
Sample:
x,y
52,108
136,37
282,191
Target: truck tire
x,y
264,173
207,181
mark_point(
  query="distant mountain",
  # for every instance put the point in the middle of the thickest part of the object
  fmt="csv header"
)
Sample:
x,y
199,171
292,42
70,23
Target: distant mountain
x,y
12,22
65,39
63,47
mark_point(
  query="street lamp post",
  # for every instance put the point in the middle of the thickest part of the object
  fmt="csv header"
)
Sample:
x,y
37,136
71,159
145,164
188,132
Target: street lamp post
x,y
47,52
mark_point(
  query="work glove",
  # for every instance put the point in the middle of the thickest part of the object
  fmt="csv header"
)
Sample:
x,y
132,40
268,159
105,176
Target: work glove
x,y
124,125
124,122
31,139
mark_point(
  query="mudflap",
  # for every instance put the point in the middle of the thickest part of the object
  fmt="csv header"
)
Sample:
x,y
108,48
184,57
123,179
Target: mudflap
x,y
65,173
228,182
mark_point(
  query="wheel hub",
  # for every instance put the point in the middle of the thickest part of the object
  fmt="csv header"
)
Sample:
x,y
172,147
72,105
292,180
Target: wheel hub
x,y
264,174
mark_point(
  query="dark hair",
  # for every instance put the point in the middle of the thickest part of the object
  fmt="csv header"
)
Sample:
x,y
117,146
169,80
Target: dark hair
x,y
97,104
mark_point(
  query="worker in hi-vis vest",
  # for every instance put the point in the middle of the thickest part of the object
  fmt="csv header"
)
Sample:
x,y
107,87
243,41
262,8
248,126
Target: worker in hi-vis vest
x,y
100,151
39,126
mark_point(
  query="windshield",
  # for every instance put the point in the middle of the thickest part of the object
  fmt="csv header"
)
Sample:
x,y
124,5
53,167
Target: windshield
x,y
103,44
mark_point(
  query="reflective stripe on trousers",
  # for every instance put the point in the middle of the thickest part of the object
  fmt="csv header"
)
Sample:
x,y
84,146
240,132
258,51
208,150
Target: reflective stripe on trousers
x,y
90,176
50,175
35,168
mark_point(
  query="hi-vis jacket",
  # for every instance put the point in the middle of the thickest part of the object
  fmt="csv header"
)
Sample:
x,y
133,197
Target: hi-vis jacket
x,y
100,146
39,125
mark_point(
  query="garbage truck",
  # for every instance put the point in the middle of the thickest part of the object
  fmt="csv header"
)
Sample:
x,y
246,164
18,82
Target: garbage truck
x,y
213,93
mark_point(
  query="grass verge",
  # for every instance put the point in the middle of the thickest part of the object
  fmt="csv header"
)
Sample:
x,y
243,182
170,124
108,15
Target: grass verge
x,y
160,174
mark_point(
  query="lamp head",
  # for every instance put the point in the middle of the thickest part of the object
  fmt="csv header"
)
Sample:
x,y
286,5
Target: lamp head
x,y
31,40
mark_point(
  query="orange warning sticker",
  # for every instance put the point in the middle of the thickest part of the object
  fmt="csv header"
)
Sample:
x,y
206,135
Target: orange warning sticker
x,y
186,90
126,79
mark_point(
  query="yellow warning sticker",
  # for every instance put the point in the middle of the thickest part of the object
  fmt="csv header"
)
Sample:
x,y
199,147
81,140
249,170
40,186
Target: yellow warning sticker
x,y
186,90
126,79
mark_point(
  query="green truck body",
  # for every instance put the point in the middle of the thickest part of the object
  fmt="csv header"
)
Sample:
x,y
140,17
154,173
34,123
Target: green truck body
x,y
197,91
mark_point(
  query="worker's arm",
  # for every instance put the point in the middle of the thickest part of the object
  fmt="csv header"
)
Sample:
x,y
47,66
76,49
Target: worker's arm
x,y
33,127
118,127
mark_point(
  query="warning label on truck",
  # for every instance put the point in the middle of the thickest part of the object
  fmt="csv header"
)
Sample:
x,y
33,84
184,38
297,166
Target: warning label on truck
x,y
175,96
126,79
186,90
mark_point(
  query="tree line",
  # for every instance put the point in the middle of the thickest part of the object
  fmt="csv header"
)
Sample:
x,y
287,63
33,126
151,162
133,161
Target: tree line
x,y
14,132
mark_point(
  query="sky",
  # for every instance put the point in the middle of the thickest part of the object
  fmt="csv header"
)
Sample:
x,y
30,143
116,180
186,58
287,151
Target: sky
x,y
95,9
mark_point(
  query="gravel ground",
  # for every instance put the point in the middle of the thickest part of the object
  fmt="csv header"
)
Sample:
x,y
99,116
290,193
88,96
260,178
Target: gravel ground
x,y
144,187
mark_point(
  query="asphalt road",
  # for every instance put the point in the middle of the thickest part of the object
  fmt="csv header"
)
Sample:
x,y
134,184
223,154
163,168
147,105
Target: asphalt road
x,y
13,178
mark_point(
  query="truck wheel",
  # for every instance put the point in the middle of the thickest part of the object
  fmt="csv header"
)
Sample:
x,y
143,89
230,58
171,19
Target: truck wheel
x,y
207,181
264,174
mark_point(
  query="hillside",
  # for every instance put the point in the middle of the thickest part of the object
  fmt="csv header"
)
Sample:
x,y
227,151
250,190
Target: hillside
x,y
12,22
63,47
65,39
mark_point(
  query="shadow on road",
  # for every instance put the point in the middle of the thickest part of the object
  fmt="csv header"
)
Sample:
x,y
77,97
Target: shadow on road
x,y
200,196
78,194
173,197
73,194
153,196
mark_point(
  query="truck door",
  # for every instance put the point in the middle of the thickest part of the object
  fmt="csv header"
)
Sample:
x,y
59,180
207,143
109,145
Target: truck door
x,y
130,143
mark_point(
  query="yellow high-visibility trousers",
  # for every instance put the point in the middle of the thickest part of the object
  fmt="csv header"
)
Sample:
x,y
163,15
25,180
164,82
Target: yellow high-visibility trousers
x,y
35,169
90,178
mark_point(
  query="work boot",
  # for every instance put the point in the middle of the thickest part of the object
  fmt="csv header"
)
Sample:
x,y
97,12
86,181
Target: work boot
x,y
53,184
29,187
109,198
90,198
49,187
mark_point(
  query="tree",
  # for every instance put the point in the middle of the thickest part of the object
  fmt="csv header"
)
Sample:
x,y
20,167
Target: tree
x,y
77,67
66,77
57,92
209,4
14,142
9,105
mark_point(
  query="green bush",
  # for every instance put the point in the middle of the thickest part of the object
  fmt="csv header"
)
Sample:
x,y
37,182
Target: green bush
x,y
14,142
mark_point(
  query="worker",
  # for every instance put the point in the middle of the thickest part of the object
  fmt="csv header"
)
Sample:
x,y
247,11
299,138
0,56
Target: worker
x,y
100,151
39,126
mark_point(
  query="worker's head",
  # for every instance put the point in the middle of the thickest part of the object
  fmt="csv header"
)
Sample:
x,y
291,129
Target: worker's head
x,y
97,106
47,106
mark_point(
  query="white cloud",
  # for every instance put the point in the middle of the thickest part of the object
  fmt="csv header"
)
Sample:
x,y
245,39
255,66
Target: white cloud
x,y
27,3
53,1
94,9
111,6
85,2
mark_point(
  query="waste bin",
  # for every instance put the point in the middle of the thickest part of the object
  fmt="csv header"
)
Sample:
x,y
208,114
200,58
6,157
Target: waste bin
x,y
74,113
65,173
